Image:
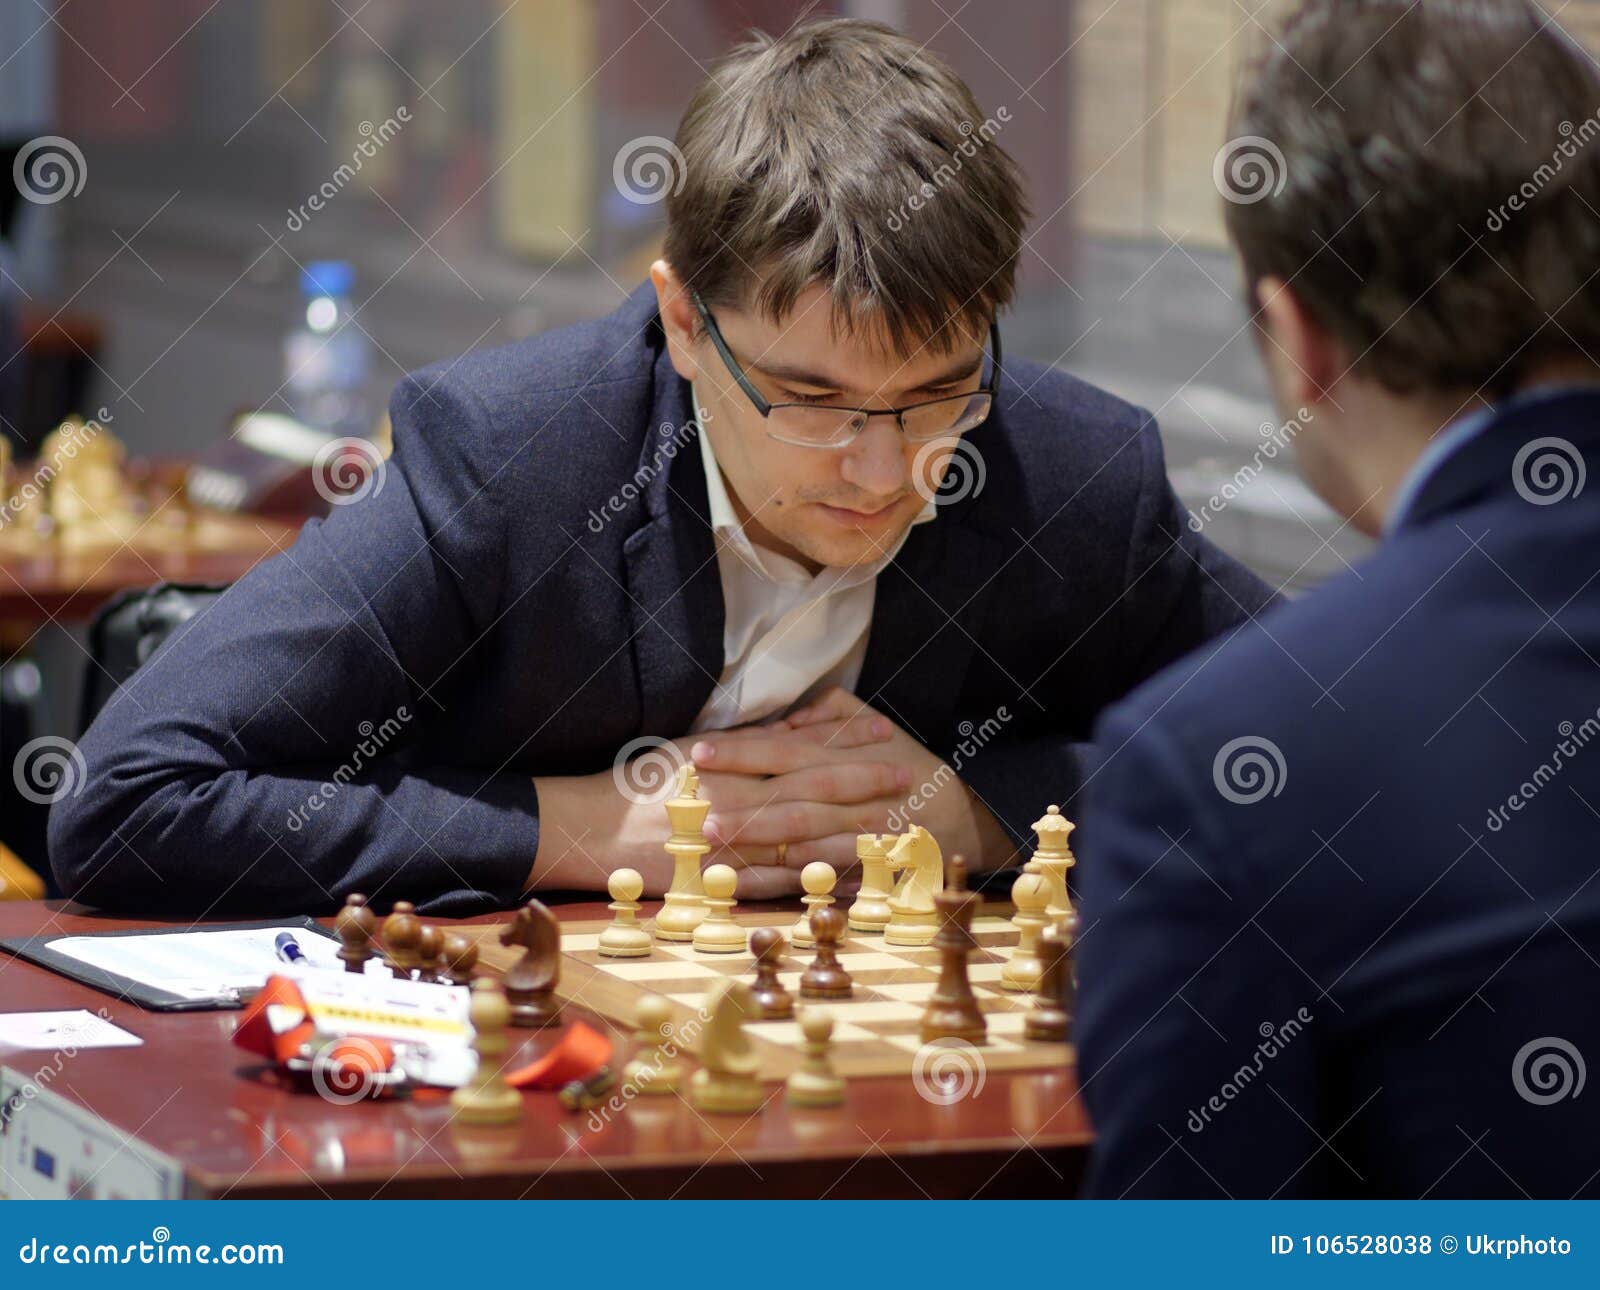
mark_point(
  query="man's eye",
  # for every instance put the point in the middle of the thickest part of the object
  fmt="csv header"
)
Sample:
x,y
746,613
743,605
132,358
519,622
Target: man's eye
x,y
794,396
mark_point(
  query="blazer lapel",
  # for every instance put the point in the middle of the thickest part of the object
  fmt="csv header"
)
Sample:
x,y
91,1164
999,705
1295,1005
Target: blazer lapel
x,y
674,589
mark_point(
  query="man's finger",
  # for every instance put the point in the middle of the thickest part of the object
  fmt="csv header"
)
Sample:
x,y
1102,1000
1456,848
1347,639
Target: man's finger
x,y
851,732
795,822
835,705
861,781
838,850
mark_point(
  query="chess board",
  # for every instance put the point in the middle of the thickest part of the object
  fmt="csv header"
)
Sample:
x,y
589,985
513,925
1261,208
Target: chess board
x,y
875,1031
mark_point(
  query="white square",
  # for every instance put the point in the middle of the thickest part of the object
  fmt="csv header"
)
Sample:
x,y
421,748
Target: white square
x,y
1006,1023
572,942
992,925
658,970
910,992
892,1011
985,971
789,1033
871,961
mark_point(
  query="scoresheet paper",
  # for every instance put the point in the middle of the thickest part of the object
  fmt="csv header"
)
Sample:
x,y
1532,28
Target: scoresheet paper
x,y
74,1029
199,964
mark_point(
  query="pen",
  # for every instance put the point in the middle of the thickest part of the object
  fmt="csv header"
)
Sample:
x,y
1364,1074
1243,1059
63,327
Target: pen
x,y
288,949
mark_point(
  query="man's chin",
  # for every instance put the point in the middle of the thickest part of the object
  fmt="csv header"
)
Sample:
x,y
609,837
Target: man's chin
x,y
844,550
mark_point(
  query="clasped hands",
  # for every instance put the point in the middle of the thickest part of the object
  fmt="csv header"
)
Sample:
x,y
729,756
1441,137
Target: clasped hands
x,y
783,794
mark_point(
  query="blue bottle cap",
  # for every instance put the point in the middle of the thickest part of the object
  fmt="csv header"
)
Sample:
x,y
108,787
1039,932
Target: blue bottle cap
x,y
327,278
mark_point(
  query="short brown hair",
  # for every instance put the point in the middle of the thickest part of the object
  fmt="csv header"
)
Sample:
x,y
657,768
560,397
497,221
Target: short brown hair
x,y
1434,200
842,153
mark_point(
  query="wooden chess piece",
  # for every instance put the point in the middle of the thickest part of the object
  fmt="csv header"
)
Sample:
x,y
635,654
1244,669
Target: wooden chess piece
x,y
717,932
356,925
952,1011
430,945
1050,1018
1030,893
458,959
818,879
685,905
771,999
530,982
487,1098
402,933
825,978
815,1082
624,938
870,911
1052,858
916,858
727,1082
655,1067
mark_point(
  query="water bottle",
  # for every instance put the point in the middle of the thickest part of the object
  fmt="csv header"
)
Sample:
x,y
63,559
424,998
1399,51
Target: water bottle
x,y
327,360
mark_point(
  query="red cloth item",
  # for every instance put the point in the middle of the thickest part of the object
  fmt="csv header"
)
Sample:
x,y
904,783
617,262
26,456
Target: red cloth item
x,y
579,1054
276,1024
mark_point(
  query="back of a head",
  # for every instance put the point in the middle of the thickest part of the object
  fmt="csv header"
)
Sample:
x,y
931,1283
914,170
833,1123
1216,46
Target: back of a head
x,y
1428,181
845,154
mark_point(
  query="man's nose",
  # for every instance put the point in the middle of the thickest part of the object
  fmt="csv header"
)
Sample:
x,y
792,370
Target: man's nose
x,y
876,461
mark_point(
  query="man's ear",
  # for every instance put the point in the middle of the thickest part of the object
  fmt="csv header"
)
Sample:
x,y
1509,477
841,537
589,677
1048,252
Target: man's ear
x,y
1307,362
678,318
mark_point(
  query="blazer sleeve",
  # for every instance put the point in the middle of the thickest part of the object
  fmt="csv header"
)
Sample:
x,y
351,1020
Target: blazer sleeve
x,y
1178,590
263,759
1195,1034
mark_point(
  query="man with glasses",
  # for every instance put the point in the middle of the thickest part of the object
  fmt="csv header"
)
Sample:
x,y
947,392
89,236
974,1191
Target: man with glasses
x,y
781,515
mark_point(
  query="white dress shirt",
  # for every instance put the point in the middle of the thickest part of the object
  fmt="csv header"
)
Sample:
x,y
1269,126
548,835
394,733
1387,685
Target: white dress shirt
x,y
787,634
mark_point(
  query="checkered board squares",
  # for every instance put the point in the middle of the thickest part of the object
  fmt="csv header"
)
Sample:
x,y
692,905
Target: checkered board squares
x,y
876,1032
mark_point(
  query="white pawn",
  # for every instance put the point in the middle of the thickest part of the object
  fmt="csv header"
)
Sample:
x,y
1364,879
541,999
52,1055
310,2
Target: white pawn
x,y
624,939
814,1082
818,878
655,1067
717,932
1031,895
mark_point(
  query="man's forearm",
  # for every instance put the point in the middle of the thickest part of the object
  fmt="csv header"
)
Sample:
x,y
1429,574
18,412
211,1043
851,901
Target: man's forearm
x,y
296,839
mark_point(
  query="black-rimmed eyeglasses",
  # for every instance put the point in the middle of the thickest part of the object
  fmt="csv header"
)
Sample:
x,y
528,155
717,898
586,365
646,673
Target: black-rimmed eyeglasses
x,y
823,425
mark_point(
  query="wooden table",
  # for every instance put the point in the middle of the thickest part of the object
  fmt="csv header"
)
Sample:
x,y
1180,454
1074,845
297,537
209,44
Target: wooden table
x,y
240,1132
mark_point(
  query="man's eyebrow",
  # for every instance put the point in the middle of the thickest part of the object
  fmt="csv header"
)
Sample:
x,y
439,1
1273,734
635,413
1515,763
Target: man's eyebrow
x,y
958,371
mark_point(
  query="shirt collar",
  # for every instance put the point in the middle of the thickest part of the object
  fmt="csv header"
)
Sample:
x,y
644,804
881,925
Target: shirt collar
x,y
725,524
1453,437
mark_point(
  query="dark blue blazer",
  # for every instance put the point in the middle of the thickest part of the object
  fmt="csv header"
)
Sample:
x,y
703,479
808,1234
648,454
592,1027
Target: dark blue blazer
x,y
533,584
1339,884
